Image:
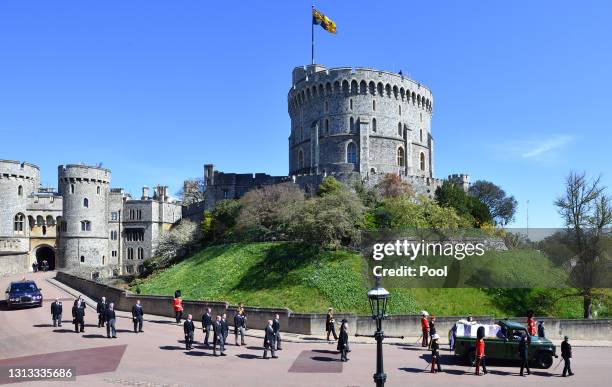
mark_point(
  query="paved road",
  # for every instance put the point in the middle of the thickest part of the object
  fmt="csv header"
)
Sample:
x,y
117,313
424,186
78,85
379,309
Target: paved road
x,y
157,357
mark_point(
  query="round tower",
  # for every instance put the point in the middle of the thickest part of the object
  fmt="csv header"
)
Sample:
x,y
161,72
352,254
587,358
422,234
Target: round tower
x,y
359,120
84,228
17,181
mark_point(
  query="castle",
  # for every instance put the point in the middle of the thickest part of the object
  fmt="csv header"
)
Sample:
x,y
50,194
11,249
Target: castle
x,y
85,227
353,124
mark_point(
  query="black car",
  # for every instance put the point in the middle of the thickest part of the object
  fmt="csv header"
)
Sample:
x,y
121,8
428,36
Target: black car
x,y
23,293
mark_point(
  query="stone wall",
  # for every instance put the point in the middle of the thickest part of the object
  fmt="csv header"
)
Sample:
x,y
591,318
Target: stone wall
x,y
14,264
314,323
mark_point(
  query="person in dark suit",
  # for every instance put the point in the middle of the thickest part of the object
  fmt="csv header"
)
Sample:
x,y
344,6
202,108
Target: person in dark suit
x,y
541,331
329,324
207,325
277,335
343,346
269,341
101,309
523,349
218,337
137,317
111,319
188,329
225,328
56,312
566,354
78,315
239,327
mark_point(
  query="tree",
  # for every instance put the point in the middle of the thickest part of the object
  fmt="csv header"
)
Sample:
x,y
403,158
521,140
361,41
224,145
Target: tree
x,y
221,221
422,213
192,191
392,186
470,207
177,242
330,185
266,212
501,206
587,213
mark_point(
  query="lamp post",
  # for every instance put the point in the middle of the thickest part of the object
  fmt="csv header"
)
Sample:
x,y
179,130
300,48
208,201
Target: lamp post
x,y
378,303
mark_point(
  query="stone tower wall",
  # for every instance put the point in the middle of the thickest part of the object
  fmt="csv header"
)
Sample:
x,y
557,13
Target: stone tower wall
x,y
84,248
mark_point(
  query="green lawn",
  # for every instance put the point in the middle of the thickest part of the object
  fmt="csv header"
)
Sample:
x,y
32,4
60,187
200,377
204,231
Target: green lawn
x,y
290,275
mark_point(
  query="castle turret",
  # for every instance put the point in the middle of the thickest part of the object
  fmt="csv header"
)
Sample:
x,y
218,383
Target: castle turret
x,y
84,229
17,181
359,120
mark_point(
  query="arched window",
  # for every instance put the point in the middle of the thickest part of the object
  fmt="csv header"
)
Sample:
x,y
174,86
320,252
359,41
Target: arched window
x,y
50,221
351,104
422,159
85,225
130,253
40,221
71,188
351,153
400,157
82,259
20,190
352,124
373,124
374,105
86,203
18,225
300,159
399,129
140,253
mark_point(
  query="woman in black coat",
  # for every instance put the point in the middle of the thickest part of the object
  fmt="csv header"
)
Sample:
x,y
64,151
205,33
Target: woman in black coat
x,y
343,345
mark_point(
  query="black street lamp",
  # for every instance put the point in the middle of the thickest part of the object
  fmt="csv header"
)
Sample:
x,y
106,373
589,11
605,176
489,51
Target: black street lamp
x,y
378,303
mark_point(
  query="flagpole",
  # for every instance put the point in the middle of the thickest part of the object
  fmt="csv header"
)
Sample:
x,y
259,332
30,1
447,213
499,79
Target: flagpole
x,y
312,35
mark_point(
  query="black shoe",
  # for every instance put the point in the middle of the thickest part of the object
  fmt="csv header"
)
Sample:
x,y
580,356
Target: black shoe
x,y
108,336
141,331
274,357
265,357
565,376
223,354
571,374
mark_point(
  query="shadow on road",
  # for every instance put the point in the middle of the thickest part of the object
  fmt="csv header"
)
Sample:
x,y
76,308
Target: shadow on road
x,y
194,353
94,336
412,370
63,331
249,356
255,348
171,347
328,351
324,358
42,325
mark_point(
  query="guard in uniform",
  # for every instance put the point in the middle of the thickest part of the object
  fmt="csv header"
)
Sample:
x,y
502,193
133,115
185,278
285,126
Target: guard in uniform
x,y
188,329
329,324
56,312
239,327
269,341
523,349
435,353
424,328
137,317
531,323
101,310
343,345
207,326
218,337
480,351
277,335
566,354
177,305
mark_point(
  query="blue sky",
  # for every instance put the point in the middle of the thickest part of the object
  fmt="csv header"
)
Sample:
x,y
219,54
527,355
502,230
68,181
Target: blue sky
x,y
155,89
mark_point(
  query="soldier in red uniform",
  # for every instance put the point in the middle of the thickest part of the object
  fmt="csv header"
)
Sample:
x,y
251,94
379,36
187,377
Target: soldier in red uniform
x,y
425,329
480,351
177,304
531,323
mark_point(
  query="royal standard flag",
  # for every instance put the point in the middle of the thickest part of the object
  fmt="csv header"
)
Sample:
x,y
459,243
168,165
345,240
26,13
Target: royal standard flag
x,y
322,20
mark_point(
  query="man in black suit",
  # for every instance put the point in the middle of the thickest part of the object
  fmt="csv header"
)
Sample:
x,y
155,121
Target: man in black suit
x,y
239,327
218,337
78,315
137,317
276,328
56,312
343,341
225,327
207,325
101,309
566,354
523,349
269,341
188,329
111,319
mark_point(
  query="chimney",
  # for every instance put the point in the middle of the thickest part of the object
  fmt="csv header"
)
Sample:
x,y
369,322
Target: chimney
x,y
145,193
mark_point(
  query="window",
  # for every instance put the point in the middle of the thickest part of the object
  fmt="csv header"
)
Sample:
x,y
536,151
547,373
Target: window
x,y
63,226
71,188
130,253
114,216
351,153
85,225
44,230
134,235
399,129
300,159
326,127
114,253
373,105
422,157
421,134
421,116
82,259
40,221
18,225
130,269
86,203
20,190
103,259
98,190
113,235
326,106
373,124
140,253
351,124
351,104
225,194
400,157
400,109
